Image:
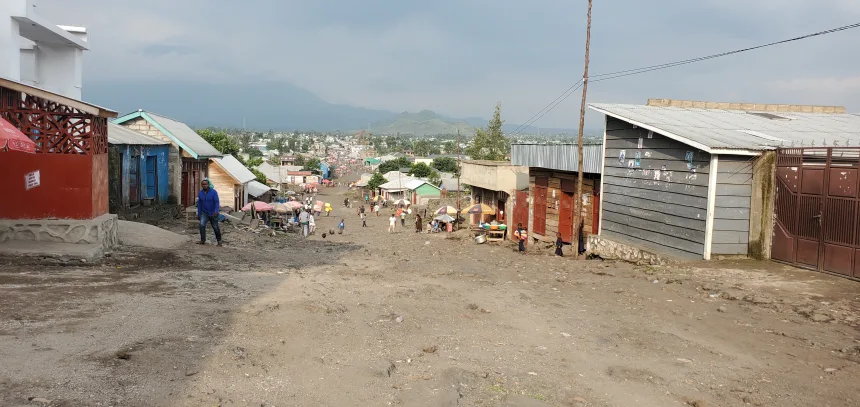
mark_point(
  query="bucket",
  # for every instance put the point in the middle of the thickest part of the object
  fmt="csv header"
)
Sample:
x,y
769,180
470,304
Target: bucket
x,y
480,239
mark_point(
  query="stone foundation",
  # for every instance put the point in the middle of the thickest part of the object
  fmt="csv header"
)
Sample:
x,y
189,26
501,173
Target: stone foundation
x,y
611,250
101,230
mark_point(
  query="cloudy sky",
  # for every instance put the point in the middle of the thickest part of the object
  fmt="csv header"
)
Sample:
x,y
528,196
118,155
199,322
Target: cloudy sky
x,y
459,57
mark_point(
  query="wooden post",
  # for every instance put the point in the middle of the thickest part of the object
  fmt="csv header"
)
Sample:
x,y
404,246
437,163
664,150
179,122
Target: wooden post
x,y
577,215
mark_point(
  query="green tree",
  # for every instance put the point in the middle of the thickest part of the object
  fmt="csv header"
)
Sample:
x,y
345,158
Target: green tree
x,y
490,143
221,141
312,164
434,178
254,152
254,162
420,170
421,148
278,144
394,165
261,178
446,164
375,181
450,147
245,141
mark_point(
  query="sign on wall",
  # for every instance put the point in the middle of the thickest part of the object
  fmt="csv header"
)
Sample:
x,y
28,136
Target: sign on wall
x,y
32,180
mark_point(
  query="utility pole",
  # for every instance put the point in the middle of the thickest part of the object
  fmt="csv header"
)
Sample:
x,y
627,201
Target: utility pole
x,y
459,170
577,215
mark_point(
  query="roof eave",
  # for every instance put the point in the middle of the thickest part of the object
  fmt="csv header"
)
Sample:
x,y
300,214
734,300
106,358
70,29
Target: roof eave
x,y
668,134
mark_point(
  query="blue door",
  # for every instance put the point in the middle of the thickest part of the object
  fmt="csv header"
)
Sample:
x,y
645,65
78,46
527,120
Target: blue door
x,y
151,177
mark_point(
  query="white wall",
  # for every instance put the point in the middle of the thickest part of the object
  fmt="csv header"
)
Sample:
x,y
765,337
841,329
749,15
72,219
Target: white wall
x,y
55,64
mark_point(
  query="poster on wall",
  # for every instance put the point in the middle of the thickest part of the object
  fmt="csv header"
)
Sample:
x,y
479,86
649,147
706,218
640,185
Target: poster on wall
x,y
32,180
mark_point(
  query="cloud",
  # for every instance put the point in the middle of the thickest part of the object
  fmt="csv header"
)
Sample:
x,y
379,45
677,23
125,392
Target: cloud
x,y
460,58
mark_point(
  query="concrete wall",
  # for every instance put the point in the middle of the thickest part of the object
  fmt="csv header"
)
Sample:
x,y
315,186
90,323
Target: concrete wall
x,y
762,206
612,250
73,186
59,69
174,158
657,201
101,230
732,205
494,176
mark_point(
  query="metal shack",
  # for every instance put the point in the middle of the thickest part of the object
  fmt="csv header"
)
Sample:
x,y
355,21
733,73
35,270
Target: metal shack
x,y
698,179
552,188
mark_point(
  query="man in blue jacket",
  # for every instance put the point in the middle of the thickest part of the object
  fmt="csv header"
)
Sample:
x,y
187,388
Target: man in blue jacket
x,y
208,209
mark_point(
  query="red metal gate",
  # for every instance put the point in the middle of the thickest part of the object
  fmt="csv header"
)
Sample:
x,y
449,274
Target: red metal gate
x,y
521,211
817,207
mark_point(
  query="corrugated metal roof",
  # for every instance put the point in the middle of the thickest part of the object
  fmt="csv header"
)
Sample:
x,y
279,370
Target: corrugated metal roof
x,y
450,184
713,130
416,183
187,136
235,168
561,157
399,184
256,188
121,135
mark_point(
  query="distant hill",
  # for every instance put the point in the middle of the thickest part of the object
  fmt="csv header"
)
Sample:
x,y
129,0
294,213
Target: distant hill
x,y
263,105
268,105
423,123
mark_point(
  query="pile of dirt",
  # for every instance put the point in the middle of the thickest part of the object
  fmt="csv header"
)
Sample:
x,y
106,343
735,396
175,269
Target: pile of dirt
x,y
143,235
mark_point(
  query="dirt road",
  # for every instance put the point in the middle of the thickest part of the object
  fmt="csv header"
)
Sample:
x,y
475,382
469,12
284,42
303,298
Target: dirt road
x,y
369,318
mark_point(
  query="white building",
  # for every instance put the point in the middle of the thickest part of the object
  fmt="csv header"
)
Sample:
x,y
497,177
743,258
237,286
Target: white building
x,y
40,54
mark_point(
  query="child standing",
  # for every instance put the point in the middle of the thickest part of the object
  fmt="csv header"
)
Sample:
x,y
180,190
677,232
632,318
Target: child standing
x,y
363,220
521,236
558,244
391,222
340,227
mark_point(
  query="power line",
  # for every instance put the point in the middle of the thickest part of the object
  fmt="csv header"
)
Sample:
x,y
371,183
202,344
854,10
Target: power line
x,y
636,71
547,109
532,119
619,74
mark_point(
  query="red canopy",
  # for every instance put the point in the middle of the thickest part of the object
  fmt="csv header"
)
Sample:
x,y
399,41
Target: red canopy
x,y
13,139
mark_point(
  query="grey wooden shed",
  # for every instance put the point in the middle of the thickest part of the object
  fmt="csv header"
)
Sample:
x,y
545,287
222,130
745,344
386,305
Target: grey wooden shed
x,y
695,179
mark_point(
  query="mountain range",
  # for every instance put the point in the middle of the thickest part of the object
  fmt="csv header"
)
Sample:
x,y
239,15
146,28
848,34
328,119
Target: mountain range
x,y
265,105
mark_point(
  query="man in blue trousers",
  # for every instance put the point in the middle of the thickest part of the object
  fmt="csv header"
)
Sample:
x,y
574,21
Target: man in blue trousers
x,y
208,209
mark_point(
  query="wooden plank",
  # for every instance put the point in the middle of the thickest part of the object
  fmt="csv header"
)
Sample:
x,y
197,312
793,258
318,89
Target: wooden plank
x,y
729,248
657,164
677,154
734,179
733,201
734,190
665,216
685,178
661,186
613,124
613,141
611,191
731,213
735,225
697,236
669,208
657,242
724,236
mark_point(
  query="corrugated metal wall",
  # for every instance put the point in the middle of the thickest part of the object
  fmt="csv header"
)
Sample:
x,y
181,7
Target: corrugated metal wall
x,y
562,157
655,191
732,205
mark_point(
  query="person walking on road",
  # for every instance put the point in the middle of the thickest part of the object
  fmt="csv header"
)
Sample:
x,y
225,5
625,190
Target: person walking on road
x,y
363,220
392,221
340,227
376,209
419,226
304,220
402,218
208,209
521,236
